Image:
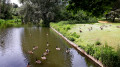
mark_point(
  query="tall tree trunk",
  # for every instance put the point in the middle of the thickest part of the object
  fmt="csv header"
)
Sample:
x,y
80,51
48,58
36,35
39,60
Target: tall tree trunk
x,y
113,19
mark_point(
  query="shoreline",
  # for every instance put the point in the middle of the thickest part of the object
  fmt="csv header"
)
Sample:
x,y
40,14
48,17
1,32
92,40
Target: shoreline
x,y
97,62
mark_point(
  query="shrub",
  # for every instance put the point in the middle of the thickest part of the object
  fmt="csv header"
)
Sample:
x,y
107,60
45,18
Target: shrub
x,y
75,35
71,38
97,43
90,49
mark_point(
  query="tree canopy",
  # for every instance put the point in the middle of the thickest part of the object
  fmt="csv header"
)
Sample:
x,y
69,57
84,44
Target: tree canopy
x,y
5,9
36,10
96,7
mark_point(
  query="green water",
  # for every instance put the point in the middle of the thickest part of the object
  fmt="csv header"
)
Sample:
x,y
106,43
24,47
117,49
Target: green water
x,y
18,41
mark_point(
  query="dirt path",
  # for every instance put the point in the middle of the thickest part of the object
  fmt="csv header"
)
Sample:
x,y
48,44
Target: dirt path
x,y
104,22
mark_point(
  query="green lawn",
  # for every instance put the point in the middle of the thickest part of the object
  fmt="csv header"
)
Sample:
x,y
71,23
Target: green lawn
x,y
109,34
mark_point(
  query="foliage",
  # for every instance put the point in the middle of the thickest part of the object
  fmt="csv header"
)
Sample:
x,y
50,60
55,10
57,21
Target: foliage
x,y
5,9
71,38
10,23
90,49
106,54
36,10
98,43
95,7
81,17
75,35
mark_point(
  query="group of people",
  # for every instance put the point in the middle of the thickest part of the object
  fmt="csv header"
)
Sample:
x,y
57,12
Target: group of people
x,y
43,57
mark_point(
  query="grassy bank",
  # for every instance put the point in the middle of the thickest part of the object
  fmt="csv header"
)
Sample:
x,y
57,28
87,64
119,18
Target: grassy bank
x,y
97,39
10,23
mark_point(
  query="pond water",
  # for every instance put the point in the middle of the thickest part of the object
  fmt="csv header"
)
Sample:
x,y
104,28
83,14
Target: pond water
x,y
16,42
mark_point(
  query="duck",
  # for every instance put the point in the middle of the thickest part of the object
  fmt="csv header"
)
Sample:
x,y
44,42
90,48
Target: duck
x,y
43,57
37,61
30,52
47,50
2,42
35,47
57,48
67,50
45,53
47,34
28,65
47,44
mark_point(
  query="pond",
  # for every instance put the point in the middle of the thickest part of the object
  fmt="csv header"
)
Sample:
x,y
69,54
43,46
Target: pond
x,y
16,42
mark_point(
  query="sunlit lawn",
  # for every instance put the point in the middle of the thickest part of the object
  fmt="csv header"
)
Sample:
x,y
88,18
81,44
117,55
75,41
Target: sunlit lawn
x,y
110,34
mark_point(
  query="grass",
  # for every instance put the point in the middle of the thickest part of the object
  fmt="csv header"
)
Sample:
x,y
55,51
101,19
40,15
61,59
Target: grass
x,y
109,34
103,44
10,23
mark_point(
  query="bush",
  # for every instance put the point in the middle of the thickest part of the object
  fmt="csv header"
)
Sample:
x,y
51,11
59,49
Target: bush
x,y
75,35
98,43
90,49
9,23
71,38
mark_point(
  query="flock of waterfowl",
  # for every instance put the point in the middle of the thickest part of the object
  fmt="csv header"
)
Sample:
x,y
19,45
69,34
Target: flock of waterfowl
x,y
47,51
101,28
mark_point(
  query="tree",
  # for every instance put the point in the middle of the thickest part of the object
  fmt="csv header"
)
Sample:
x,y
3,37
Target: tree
x,y
5,8
36,10
95,7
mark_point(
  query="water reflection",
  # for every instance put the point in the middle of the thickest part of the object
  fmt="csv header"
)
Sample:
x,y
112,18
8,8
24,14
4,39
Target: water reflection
x,y
18,41
11,54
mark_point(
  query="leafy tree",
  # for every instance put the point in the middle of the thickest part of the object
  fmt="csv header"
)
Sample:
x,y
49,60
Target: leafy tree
x,y
95,7
36,10
5,9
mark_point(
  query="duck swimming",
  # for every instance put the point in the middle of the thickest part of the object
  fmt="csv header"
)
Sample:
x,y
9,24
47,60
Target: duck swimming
x,y
67,50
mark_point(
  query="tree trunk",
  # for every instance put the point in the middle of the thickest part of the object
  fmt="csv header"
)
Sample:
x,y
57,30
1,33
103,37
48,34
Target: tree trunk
x,y
113,19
